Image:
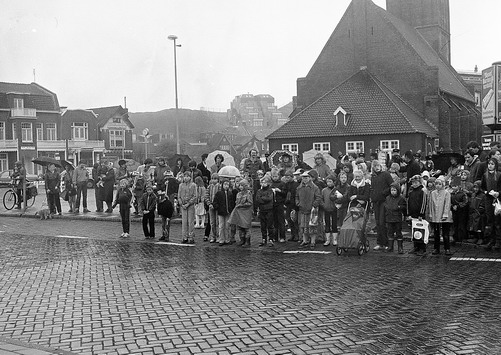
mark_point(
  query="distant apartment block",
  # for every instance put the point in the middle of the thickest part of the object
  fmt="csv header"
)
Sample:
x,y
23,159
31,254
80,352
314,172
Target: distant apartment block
x,y
255,111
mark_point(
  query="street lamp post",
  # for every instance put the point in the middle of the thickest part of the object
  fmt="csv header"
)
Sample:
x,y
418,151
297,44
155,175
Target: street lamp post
x,y
174,38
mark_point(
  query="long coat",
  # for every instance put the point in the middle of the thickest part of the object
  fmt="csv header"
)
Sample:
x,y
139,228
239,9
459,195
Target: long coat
x,y
476,212
440,207
242,213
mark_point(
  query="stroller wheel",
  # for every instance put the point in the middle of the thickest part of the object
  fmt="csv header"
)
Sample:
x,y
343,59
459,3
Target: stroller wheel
x,y
361,249
367,246
339,251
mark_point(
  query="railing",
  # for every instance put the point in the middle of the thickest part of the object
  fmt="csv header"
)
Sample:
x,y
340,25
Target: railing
x,y
51,145
86,144
23,112
8,144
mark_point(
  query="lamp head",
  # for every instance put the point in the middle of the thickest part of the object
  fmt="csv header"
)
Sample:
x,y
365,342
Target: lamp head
x,y
172,37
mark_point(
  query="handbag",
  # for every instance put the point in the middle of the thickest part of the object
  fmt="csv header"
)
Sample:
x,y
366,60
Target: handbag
x,y
497,207
314,217
199,208
64,195
420,230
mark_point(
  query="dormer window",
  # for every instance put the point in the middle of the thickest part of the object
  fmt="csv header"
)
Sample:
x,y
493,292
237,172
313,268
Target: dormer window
x,y
18,103
116,120
341,116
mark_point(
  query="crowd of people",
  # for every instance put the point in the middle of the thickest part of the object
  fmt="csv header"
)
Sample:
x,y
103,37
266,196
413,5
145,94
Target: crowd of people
x,y
460,203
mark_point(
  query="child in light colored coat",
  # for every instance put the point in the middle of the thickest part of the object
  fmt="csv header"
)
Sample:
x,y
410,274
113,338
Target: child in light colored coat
x,y
440,215
187,196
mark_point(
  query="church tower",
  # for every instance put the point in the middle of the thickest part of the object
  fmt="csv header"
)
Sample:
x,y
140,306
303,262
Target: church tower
x,y
430,18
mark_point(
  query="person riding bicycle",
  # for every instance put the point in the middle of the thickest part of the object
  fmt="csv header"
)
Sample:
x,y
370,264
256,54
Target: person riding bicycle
x,y
19,177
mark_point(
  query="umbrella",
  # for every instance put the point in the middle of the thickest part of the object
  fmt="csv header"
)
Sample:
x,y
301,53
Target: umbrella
x,y
66,163
229,172
45,161
172,160
442,161
309,158
228,158
275,159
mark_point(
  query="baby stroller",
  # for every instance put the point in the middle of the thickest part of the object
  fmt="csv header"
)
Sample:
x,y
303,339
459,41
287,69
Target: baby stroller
x,y
352,232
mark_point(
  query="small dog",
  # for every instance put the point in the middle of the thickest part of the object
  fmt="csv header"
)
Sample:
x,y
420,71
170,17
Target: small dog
x,y
44,214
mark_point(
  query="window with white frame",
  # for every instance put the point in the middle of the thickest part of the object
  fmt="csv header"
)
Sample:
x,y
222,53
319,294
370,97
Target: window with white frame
x,y
51,131
3,162
26,132
116,139
389,144
354,147
80,131
323,147
18,103
117,120
39,129
14,131
2,132
291,147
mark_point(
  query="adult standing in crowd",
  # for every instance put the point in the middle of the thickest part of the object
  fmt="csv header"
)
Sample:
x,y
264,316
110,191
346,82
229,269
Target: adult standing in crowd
x,y
71,191
80,179
194,172
379,190
218,159
202,166
321,166
53,187
98,175
108,185
159,174
473,165
19,177
251,167
179,168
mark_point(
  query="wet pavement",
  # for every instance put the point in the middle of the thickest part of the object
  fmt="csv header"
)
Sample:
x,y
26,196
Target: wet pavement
x,y
74,286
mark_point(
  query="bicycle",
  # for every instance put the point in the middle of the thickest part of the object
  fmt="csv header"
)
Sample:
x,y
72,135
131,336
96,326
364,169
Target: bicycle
x,y
10,196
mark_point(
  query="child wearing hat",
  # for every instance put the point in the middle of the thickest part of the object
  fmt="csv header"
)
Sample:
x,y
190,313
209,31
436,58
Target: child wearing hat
x,y
187,196
307,196
241,216
123,197
440,215
264,202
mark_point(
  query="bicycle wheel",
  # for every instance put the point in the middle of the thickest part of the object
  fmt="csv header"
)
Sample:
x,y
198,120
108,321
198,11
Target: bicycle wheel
x,y
31,201
9,199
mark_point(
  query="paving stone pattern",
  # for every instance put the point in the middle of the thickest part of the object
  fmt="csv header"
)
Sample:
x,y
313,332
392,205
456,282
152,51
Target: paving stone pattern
x,y
103,295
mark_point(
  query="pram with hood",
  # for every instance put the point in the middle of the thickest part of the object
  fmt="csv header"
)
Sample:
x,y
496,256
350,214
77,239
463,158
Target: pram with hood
x,y
352,233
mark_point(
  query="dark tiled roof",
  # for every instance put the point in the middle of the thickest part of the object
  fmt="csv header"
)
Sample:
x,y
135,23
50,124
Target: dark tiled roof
x,y
34,96
78,115
448,79
105,113
372,106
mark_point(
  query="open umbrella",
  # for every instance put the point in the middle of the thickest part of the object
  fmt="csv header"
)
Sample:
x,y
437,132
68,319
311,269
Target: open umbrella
x,y
229,172
276,159
228,158
66,163
173,158
442,161
309,158
45,161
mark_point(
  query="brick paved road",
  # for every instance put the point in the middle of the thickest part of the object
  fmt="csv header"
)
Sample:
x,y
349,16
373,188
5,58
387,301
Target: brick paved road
x,y
102,295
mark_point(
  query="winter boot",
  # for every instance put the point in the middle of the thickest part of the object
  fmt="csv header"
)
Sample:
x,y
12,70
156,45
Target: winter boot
x,y
263,243
391,243
334,239
247,242
400,244
327,239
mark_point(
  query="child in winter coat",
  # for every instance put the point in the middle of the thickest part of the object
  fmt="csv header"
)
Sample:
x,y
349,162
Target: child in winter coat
x,y
307,196
123,198
223,204
241,216
165,210
264,201
476,213
147,206
395,208
330,211
187,196
342,198
416,208
279,194
290,205
440,215
200,203
210,193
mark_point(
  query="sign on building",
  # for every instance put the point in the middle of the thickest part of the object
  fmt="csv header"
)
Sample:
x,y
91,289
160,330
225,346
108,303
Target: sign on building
x,y
491,87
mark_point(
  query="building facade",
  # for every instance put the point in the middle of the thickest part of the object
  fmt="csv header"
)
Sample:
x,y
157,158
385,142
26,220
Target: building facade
x,y
255,111
406,49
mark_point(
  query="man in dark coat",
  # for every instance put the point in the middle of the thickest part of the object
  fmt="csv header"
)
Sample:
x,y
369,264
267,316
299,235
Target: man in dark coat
x,y
411,167
202,166
379,190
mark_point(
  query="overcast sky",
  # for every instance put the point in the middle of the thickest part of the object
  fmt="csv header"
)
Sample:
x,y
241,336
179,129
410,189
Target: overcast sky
x,y
92,53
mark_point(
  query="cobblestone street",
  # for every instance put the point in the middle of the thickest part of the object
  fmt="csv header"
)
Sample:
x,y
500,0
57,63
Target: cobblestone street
x,y
75,286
